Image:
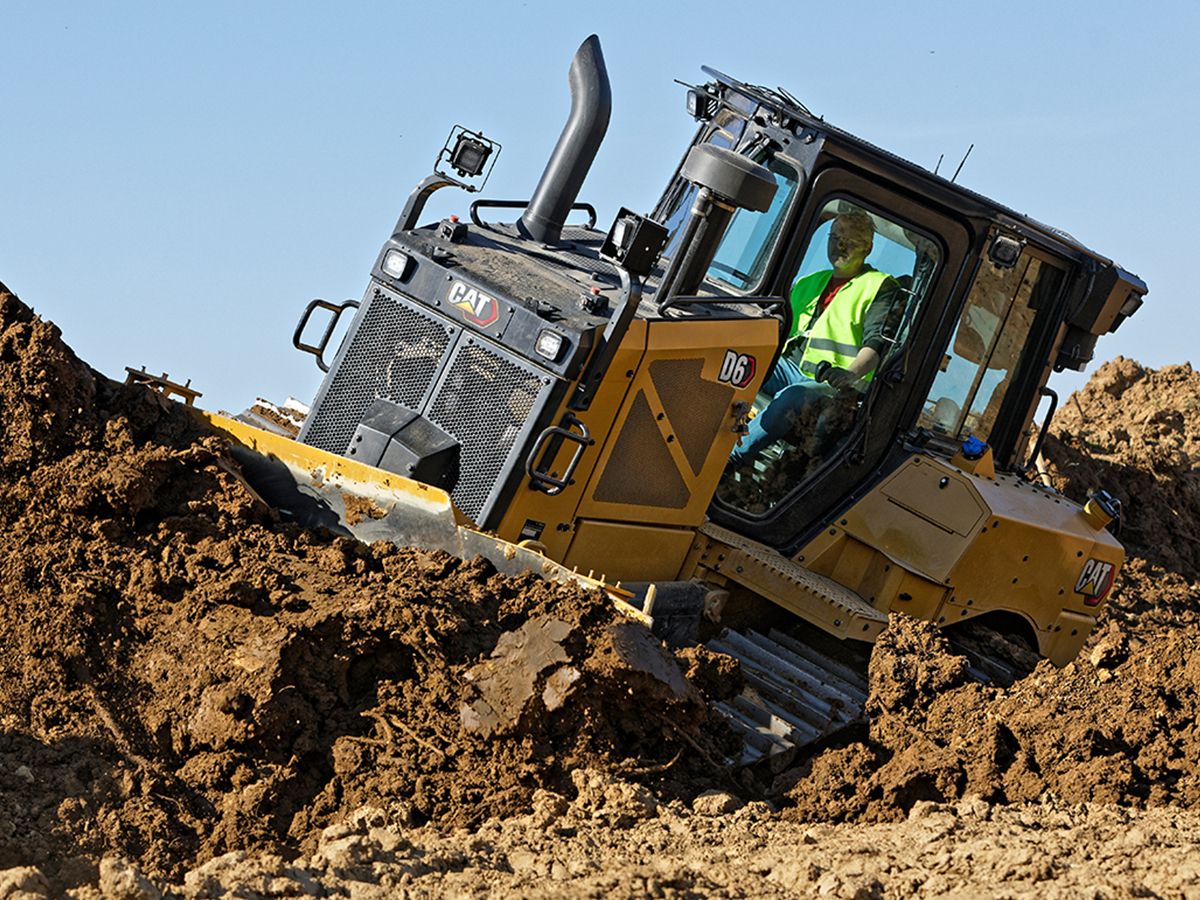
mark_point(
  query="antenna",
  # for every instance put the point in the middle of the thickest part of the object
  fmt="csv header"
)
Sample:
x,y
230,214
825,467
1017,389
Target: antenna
x,y
960,165
941,156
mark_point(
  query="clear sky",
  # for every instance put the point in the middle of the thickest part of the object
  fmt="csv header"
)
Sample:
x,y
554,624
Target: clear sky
x,y
178,180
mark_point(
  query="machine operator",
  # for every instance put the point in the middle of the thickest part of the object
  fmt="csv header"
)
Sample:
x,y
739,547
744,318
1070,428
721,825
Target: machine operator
x,y
839,314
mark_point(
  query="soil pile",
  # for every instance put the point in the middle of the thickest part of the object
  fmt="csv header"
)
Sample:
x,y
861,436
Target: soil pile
x,y
1135,432
1118,724
187,675
199,693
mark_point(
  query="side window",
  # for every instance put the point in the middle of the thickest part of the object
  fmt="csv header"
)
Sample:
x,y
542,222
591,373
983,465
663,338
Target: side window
x,y
975,372
746,247
727,130
857,290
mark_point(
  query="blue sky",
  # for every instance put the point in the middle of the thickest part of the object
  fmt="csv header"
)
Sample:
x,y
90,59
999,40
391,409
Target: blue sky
x,y
177,181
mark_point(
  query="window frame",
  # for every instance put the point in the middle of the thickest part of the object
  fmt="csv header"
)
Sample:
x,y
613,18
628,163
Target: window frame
x,y
1001,436
798,158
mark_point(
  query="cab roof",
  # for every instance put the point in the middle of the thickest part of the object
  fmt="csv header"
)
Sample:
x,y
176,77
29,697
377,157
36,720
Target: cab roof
x,y
954,195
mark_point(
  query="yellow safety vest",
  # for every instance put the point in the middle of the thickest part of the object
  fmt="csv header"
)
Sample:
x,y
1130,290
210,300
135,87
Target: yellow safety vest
x,y
836,336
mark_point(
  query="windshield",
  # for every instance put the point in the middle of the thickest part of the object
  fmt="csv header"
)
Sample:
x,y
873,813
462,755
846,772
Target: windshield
x,y
745,249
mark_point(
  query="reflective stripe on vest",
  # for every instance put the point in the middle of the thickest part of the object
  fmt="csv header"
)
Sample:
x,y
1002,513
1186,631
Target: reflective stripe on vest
x,y
836,335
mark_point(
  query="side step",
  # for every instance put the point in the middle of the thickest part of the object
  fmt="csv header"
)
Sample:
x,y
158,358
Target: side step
x,y
794,695
816,598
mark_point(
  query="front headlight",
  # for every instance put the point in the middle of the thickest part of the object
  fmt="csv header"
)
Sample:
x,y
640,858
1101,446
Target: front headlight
x,y
549,344
395,264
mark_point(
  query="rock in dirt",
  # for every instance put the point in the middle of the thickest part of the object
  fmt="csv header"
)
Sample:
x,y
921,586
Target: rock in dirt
x,y
505,682
23,883
716,803
120,879
603,796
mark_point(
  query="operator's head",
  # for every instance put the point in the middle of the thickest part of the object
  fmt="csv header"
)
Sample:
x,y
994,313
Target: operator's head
x,y
850,241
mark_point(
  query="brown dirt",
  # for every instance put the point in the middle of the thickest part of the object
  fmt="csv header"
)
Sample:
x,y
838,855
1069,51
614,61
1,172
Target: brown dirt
x,y
1135,432
272,414
969,849
198,694
187,675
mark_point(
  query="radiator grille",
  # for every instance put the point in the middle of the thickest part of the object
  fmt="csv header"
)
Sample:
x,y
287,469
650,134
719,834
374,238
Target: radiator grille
x,y
394,353
484,402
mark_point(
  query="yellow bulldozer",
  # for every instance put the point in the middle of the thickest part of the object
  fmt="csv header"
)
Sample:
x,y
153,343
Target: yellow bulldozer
x,y
566,400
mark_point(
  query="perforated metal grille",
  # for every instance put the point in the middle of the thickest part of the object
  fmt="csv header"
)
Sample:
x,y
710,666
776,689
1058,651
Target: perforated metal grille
x,y
484,402
641,471
695,408
394,353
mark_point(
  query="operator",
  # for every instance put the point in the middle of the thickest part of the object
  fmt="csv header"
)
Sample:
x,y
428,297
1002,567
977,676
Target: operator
x,y
840,315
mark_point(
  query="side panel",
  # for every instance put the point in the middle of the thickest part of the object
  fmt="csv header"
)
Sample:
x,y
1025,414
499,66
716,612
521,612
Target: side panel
x,y
638,552
662,427
967,545
676,429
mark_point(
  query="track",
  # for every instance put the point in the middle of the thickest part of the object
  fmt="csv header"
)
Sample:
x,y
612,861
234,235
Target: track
x,y
794,695
797,695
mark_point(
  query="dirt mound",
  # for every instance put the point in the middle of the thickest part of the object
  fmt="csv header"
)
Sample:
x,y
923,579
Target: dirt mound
x,y
1135,432
1117,725
187,675
46,393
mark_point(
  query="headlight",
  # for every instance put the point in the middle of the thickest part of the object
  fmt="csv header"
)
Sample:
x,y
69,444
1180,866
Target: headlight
x,y
395,264
549,344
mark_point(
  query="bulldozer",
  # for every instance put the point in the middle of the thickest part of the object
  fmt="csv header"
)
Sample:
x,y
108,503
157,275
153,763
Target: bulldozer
x,y
565,400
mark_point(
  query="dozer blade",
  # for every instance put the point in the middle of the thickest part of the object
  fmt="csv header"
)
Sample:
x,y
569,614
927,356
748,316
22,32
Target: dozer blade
x,y
319,489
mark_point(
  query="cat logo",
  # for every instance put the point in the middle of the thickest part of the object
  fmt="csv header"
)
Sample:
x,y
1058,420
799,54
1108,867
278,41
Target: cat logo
x,y
477,307
1095,581
737,369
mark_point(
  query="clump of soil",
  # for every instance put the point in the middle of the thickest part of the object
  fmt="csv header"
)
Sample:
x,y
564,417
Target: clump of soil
x,y
186,675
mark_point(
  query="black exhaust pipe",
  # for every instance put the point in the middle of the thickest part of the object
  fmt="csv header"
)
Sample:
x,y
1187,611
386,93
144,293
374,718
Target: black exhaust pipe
x,y
591,106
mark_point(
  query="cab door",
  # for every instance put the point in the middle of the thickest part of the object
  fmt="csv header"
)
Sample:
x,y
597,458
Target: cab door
x,y
836,441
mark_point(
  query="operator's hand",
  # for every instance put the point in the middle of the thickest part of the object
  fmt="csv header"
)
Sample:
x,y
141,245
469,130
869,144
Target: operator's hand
x,y
839,379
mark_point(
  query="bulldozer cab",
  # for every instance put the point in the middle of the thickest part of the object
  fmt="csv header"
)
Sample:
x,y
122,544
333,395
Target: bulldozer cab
x,y
978,307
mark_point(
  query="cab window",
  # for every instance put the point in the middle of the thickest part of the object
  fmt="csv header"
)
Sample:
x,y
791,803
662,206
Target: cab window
x,y
854,295
741,259
975,372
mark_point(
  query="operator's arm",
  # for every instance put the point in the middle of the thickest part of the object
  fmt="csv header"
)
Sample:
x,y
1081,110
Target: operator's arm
x,y
879,314
864,363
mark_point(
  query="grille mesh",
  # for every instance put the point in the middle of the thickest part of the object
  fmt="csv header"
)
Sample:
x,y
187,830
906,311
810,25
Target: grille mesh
x,y
641,471
484,402
394,354
695,408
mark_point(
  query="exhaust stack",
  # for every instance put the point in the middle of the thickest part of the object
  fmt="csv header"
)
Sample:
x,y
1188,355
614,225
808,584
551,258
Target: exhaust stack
x,y
591,106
